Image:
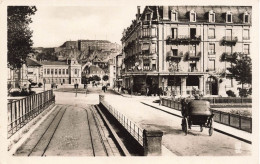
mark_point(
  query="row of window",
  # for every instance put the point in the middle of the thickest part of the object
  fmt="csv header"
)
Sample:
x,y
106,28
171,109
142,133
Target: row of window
x,y
212,50
56,71
54,80
211,16
211,33
98,72
59,71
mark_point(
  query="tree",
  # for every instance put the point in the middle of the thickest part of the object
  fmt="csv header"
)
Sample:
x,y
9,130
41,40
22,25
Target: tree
x,y
241,69
19,35
105,77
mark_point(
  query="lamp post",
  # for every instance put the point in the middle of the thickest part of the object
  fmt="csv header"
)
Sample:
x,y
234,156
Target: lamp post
x,y
44,81
76,87
163,85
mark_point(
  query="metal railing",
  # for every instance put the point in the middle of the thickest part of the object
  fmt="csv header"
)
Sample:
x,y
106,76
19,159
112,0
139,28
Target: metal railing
x,y
230,39
22,111
237,121
129,125
230,100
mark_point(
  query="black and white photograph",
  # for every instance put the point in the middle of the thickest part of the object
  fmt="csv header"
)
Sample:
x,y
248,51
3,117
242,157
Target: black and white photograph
x,y
172,82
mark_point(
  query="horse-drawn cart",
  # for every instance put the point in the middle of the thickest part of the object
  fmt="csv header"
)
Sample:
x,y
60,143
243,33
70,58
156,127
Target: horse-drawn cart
x,y
196,112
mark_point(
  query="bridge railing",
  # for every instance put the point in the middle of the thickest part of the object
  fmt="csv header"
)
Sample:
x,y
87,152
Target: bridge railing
x,y
234,120
22,111
129,125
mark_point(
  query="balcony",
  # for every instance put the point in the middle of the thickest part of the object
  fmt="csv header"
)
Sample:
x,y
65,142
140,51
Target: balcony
x,y
228,40
148,36
184,39
191,56
228,56
174,57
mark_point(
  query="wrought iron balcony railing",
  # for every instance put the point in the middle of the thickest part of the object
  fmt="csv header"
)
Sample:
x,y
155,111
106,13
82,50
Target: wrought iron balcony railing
x,y
184,39
228,40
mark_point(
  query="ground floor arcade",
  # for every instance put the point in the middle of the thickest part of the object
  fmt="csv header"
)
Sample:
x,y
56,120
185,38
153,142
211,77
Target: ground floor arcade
x,y
172,84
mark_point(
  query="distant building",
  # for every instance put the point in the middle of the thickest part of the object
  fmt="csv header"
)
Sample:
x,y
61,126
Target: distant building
x,y
93,70
34,70
112,71
104,45
66,72
20,77
119,60
70,44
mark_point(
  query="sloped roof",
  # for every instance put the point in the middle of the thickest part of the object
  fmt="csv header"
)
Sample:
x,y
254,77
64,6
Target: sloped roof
x,y
95,68
202,12
54,63
30,62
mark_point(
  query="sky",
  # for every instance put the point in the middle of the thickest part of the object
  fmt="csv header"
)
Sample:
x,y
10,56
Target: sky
x,y
53,25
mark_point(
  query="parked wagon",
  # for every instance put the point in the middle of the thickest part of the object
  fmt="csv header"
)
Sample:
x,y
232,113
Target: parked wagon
x,y
196,112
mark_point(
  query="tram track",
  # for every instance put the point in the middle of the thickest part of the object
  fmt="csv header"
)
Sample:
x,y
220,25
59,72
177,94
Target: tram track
x,y
94,146
53,137
41,146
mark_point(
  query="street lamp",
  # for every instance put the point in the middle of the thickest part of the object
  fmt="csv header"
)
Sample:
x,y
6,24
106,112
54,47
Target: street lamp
x,y
44,81
163,85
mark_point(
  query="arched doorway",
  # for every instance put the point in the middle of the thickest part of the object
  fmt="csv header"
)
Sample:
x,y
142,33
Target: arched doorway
x,y
212,85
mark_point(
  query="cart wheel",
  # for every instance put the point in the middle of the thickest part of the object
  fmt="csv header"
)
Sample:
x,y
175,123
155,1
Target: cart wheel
x,y
201,128
211,129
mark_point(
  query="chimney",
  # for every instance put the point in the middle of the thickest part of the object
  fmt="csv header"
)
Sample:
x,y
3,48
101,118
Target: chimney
x,y
138,13
165,13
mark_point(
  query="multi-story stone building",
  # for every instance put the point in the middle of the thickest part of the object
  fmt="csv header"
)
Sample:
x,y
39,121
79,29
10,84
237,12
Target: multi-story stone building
x,y
119,59
184,48
65,72
98,45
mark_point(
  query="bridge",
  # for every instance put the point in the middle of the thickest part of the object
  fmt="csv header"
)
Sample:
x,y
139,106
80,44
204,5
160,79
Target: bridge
x,y
69,122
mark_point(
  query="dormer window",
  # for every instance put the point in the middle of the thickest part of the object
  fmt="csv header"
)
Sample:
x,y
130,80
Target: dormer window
x,y
192,16
174,15
211,16
149,16
229,17
246,17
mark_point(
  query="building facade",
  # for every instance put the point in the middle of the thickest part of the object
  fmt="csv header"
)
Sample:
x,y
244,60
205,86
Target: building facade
x,y
33,70
119,62
66,72
185,48
98,45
